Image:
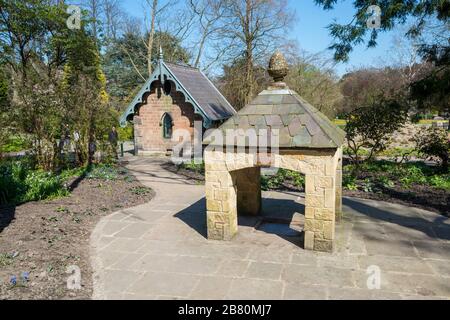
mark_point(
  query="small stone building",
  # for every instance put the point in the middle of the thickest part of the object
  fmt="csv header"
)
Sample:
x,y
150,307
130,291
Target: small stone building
x,y
300,139
173,98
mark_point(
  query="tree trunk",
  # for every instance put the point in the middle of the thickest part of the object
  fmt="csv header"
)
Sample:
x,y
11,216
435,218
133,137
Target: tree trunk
x,y
249,78
151,37
202,44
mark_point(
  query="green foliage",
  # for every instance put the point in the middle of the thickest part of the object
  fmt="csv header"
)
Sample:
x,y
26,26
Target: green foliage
x,y
5,259
429,91
43,185
103,172
4,88
385,181
71,173
393,12
57,80
349,182
192,166
12,176
26,21
118,62
62,209
440,181
434,142
15,144
367,185
412,175
370,126
140,190
433,90
126,133
375,174
361,152
19,182
171,46
5,122
125,62
283,178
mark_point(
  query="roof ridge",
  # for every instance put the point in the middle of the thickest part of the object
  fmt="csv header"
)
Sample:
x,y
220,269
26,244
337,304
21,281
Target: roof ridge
x,y
187,66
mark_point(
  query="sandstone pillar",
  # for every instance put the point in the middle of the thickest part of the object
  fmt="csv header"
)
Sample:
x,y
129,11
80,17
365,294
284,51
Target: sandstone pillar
x,y
320,211
338,205
220,200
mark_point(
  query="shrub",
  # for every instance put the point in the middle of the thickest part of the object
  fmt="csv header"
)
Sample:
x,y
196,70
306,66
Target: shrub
x,y
412,175
370,126
434,142
15,144
192,166
349,182
385,181
70,173
42,185
20,183
282,178
126,133
440,181
12,176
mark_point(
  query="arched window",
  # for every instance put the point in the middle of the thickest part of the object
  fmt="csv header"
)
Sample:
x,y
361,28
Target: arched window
x,y
167,125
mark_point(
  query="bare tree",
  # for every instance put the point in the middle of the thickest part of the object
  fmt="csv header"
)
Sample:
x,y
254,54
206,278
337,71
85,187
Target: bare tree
x,y
183,29
208,15
131,25
252,30
114,17
153,9
312,76
405,56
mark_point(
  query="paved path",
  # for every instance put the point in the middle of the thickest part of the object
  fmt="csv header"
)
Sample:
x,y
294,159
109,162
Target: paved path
x,y
159,251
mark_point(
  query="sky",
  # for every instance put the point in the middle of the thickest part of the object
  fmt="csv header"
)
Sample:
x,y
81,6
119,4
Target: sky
x,y
313,36
310,31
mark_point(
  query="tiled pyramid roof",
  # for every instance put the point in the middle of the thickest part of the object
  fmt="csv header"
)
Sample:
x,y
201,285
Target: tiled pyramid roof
x,y
300,125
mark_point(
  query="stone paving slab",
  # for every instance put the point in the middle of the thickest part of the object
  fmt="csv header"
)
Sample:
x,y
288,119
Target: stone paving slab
x,y
159,250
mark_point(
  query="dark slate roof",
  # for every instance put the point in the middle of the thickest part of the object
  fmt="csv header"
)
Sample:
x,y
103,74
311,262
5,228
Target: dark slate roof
x,y
300,125
203,91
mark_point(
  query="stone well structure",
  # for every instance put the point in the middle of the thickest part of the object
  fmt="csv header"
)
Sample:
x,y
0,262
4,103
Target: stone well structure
x,y
277,129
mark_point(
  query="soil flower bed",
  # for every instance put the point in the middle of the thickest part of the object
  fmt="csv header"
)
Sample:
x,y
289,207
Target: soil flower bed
x,y
39,240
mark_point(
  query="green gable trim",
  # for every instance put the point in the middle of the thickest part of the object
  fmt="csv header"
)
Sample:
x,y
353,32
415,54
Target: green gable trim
x,y
163,73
